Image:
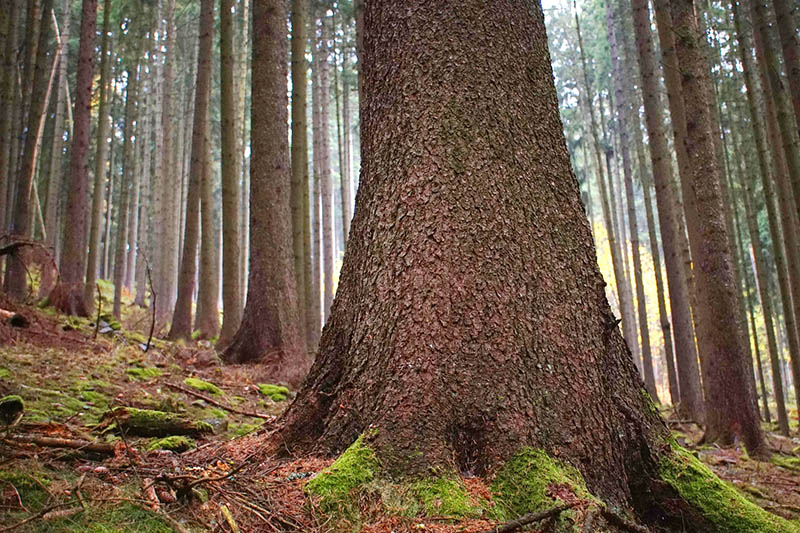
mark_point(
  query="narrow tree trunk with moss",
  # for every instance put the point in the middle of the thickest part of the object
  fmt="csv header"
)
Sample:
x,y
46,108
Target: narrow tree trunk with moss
x,y
270,330
16,281
182,317
407,350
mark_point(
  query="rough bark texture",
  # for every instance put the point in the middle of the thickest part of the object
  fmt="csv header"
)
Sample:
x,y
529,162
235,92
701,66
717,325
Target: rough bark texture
x,y
299,149
207,317
73,257
314,311
16,282
786,12
730,409
441,297
8,93
231,253
182,317
271,331
99,159
326,180
311,326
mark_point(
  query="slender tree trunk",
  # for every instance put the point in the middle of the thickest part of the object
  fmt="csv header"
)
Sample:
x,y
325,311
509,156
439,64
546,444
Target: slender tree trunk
x,y
328,235
691,394
16,282
231,253
315,309
207,319
56,157
347,186
625,122
7,106
786,13
143,231
270,328
135,192
241,110
730,409
182,317
439,295
109,193
125,178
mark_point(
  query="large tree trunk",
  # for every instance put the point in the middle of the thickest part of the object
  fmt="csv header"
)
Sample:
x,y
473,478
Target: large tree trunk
x,y
16,282
182,318
231,253
271,330
101,142
9,93
730,407
471,324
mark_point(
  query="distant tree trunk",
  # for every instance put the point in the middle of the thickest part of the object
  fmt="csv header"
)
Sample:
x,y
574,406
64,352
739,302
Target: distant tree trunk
x,y
241,110
730,409
182,317
135,192
109,193
347,187
328,235
786,13
299,148
128,170
691,394
270,329
143,230
7,106
207,316
439,294
786,207
16,282
231,253
314,311
56,158
101,142
625,121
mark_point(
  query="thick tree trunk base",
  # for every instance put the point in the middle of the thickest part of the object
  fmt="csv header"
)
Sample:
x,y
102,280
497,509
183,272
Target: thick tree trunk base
x,y
68,299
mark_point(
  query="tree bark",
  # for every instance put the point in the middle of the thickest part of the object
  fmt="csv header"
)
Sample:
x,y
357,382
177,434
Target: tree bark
x,y
730,406
182,318
469,265
231,253
299,148
786,13
270,330
691,394
16,282
314,311
207,316
7,105
328,235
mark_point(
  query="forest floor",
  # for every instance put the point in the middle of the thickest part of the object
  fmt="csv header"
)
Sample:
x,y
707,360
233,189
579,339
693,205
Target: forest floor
x,y
72,376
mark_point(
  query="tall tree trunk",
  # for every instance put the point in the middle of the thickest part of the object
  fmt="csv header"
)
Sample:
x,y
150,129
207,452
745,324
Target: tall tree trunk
x,y
207,316
439,294
691,394
231,253
182,317
135,192
7,106
101,142
730,406
328,235
270,328
299,148
110,192
786,13
625,122
347,187
314,311
56,158
241,110
16,282
143,230
125,178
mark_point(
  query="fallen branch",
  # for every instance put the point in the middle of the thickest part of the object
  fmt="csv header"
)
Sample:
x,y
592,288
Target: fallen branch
x,y
54,442
220,404
531,518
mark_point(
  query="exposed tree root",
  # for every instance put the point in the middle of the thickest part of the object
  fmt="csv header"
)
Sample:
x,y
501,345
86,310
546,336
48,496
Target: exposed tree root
x,y
530,518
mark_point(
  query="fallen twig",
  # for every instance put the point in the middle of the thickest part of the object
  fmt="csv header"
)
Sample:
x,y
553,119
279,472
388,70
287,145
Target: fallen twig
x,y
531,518
54,442
220,404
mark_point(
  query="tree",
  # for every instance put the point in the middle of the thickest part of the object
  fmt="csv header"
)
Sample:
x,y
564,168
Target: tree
x,y
471,268
786,17
730,407
207,312
326,181
231,301
270,329
182,317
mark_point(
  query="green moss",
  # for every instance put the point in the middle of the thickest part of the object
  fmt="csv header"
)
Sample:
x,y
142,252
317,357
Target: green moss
x,y
147,423
275,392
143,373
245,428
174,443
4,373
333,487
203,386
121,518
213,412
444,497
790,463
32,488
720,503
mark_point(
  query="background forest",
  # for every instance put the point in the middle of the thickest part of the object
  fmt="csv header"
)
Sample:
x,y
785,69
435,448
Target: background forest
x,y
133,209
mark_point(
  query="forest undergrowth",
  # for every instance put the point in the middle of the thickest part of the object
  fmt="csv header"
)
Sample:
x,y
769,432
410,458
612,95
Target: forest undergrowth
x,y
113,438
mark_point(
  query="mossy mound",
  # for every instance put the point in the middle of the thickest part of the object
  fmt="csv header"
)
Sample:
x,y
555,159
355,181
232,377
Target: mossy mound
x,y
174,443
11,408
276,393
203,386
718,502
148,423
143,373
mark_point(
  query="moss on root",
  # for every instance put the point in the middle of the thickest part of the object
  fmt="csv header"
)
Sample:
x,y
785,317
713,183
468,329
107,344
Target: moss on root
x,y
203,386
718,502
